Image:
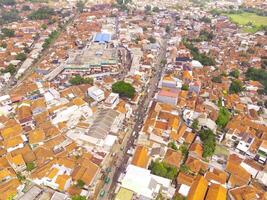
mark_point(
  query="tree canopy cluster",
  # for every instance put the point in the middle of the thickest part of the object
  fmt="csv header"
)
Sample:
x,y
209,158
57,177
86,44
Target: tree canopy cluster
x,y
9,16
10,69
217,79
235,73
236,87
204,36
223,117
21,56
78,80
42,13
6,32
258,75
163,169
203,58
209,142
8,2
124,89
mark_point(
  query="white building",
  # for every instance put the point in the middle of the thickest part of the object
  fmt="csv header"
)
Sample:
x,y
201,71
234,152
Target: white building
x,y
112,100
96,93
5,100
145,184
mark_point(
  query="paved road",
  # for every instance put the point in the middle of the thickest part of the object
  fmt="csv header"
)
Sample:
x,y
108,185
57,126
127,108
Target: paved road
x,y
122,160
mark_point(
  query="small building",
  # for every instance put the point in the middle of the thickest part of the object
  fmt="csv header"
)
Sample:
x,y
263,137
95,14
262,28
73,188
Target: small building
x,y
96,93
112,100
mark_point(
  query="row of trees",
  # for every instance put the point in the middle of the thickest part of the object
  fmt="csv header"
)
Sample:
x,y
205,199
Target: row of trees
x,y
52,36
78,80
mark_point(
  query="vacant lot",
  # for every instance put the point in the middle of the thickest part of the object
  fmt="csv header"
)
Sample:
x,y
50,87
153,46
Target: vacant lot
x,y
250,21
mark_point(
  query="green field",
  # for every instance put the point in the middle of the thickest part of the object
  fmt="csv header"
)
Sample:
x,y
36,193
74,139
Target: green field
x,y
243,19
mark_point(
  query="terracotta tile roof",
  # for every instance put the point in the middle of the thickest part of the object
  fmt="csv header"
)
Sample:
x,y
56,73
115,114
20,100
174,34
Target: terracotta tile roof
x,y
141,157
61,181
26,152
90,173
216,175
216,192
239,176
197,149
11,131
189,137
173,158
186,179
36,136
12,142
16,160
246,193
9,188
198,189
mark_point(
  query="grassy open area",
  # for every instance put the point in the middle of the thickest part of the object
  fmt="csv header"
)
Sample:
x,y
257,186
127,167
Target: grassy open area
x,y
246,18
221,150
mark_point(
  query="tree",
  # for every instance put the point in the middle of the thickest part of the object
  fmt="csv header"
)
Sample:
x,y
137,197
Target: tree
x,y
21,56
194,125
185,87
223,117
44,26
258,75
152,39
10,69
78,80
78,197
155,9
3,45
217,79
172,145
168,29
235,73
124,89
162,169
26,8
9,16
209,142
147,8
8,32
8,2
235,87
30,166
184,169
80,183
20,176
80,5
184,149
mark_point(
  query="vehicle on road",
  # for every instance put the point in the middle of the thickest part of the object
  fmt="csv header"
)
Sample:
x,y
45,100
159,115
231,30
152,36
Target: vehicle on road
x,y
102,193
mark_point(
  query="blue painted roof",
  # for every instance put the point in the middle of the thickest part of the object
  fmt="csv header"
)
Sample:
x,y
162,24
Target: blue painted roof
x,y
102,37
